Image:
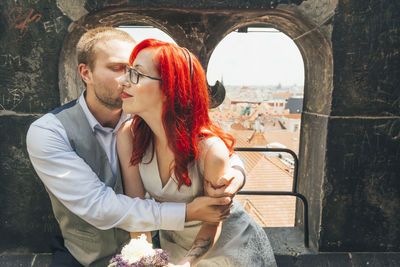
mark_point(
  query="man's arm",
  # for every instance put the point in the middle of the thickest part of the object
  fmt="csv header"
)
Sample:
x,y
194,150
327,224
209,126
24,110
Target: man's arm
x,y
74,183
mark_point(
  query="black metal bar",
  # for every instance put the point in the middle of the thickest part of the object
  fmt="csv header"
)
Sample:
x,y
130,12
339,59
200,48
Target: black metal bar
x,y
282,193
285,193
267,149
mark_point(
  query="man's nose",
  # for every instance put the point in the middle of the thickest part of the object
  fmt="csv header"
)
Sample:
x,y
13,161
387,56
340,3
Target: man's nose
x,y
123,80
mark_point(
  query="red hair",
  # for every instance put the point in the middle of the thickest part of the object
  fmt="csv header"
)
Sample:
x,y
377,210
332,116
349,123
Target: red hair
x,y
185,111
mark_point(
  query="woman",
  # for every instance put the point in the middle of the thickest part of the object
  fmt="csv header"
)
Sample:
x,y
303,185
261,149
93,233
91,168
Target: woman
x,y
176,149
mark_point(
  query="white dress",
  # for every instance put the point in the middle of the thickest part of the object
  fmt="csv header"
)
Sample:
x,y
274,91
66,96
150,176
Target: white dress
x,y
242,241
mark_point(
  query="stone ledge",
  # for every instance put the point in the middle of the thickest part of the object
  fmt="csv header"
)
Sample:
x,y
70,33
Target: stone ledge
x,y
344,259
287,241
287,244
25,260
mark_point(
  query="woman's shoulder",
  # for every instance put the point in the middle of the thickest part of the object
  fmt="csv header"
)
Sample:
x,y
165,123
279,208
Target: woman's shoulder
x,y
125,132
210,143
206,141
211,149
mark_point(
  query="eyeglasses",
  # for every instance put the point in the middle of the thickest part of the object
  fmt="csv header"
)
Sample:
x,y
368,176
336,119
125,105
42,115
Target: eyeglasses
x,y
134,75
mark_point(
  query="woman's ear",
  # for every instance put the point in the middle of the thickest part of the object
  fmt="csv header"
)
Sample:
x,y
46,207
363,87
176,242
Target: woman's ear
x,y
164,97
85,72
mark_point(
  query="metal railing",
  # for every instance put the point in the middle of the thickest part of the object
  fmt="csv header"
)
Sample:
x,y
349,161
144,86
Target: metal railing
x,y
282,193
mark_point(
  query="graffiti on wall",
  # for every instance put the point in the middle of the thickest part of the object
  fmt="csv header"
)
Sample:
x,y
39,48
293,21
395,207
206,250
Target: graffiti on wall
x,y
20,20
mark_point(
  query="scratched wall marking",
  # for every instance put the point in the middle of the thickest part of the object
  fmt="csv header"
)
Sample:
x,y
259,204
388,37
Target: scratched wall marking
x,y
11,100
23,2
7,60
33,64
109,3
20,21
54,25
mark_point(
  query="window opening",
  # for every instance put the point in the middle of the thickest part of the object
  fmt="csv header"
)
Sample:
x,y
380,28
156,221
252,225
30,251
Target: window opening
x,y
263,73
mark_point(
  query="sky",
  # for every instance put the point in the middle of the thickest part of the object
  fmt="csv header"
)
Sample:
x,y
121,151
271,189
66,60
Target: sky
x,y
260,57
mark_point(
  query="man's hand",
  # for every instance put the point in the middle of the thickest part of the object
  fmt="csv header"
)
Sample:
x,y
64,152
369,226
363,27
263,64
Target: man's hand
x,y
208,209
227,185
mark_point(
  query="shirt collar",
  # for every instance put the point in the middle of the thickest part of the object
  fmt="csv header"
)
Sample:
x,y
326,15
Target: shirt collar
x,y
94,124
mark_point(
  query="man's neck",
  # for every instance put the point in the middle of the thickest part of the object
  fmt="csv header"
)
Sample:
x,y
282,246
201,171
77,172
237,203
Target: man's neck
x,y
107,117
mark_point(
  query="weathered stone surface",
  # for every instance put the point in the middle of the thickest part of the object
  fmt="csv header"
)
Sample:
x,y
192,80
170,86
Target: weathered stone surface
x,y
320,12
31,34
26,220
312,170
321,259
366,47
287,241
93,5
42,260
340,259
360,208
23,260
375,259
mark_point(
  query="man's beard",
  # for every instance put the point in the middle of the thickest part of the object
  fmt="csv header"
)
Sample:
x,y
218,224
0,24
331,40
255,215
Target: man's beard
x,y
109,102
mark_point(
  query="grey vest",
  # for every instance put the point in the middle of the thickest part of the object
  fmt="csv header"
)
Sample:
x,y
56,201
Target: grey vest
x,y
89,245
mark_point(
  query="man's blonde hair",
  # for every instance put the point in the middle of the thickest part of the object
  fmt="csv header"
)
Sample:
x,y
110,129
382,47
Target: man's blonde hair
x,y
86,44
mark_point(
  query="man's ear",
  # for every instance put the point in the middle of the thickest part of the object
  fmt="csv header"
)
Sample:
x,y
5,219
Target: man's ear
x,y
85,72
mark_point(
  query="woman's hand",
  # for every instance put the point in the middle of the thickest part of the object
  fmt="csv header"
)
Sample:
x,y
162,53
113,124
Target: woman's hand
x,y
227,185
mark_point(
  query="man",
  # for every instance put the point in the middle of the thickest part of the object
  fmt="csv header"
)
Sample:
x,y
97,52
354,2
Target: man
x,y
73,151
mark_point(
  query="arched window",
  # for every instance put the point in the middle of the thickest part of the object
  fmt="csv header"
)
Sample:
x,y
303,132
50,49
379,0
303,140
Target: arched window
x,y
262,71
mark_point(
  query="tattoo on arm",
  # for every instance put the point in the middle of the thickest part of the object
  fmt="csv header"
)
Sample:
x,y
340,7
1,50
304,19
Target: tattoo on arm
x,y
199,248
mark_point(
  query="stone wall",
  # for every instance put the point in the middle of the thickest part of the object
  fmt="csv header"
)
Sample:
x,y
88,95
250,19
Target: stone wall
x,y
362,186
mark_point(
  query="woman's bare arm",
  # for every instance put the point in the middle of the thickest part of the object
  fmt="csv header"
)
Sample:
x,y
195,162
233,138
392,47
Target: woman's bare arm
x,y
133,185
216,164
